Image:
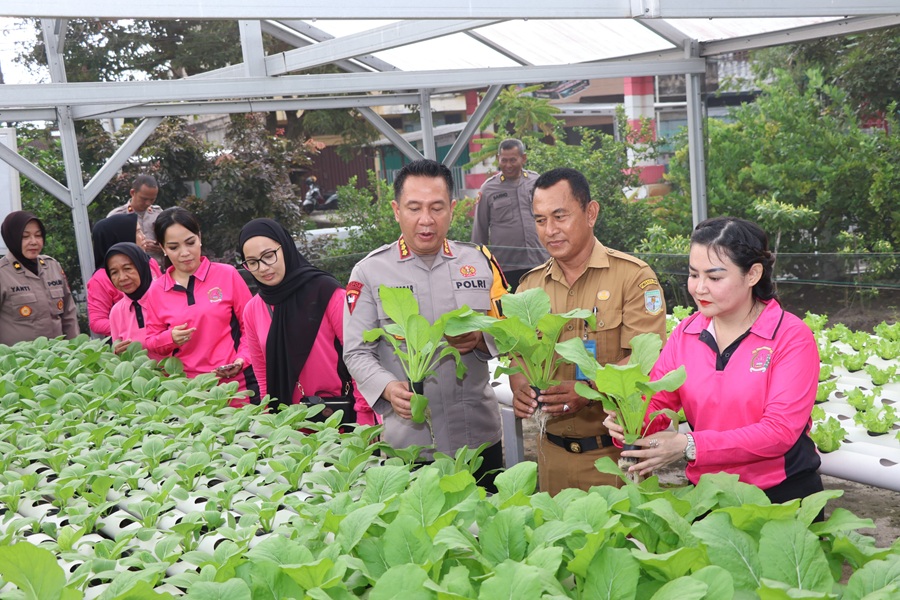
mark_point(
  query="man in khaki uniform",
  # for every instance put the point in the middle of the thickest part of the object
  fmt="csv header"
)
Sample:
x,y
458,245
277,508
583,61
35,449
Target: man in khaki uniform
x,y
625,295
34,295
143,194
503,217
443,275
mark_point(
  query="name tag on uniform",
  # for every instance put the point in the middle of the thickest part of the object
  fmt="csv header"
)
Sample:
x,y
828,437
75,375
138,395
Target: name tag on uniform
x,y
591,347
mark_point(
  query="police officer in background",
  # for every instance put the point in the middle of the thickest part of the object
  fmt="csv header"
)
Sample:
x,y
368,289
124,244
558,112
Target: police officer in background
x,y
143,194
443,275
34,295
627,300
503,217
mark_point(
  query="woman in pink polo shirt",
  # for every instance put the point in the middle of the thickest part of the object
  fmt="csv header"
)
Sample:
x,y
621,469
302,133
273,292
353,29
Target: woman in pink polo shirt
x,y
295,326
752,372
101,293
195,311
129,269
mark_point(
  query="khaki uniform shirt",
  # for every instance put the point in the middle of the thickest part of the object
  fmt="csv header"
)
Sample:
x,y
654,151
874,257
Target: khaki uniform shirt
x,y
628,301
464,412
504,221
35,305
146,220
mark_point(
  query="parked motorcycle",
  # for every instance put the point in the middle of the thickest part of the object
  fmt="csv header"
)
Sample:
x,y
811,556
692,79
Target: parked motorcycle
x,y
315,199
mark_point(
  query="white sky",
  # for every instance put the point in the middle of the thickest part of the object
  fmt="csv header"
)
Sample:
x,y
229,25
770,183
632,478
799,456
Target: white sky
x,y
12,31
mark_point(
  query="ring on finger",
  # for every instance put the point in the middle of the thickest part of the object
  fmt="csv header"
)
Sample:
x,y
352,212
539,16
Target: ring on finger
x,y
654,443
565,408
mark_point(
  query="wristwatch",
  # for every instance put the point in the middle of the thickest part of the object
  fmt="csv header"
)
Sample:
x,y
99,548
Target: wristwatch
x,y
690,451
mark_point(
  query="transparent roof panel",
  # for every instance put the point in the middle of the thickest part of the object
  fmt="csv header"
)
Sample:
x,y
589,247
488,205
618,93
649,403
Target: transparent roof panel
x,y
456,51
707,30
567,41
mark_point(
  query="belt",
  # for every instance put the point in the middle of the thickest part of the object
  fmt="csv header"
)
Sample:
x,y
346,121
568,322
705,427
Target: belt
x,y
579,445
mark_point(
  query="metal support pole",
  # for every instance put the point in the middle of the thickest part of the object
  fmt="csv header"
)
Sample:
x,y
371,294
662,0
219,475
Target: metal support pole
x,y
121,156
472,124
695,144
390,133
54,33
252,48
428,147
36,175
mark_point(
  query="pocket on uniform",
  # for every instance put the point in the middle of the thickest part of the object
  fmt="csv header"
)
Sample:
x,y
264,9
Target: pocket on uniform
x,y
475,299
608,336
24,304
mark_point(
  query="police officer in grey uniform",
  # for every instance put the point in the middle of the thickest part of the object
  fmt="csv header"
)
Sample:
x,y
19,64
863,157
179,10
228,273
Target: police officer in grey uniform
x,y
503,217
34,295
143,194
443,275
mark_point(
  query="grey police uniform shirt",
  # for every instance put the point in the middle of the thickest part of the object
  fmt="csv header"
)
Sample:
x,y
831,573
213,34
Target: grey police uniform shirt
x,y
146,220
35,305
504,222
464,412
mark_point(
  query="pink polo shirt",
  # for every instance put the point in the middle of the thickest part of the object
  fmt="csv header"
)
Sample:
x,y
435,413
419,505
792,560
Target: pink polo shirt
x,y
102,295
124,326
216,310
319,376
752,417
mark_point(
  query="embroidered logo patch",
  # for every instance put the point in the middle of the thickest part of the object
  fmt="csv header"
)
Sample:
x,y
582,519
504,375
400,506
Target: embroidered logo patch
x,y
215,294
648,282
467,271
353,290
760,359
603,295
25,311
59,305
653,301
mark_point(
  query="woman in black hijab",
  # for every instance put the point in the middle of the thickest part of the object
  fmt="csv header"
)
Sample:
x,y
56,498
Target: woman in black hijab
x,y
34,295
129,270
295,325
101,294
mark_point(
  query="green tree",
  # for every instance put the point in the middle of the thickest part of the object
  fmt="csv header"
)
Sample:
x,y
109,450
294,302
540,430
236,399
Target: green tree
x,y
249,180
516,113
776,217
803,144
864,65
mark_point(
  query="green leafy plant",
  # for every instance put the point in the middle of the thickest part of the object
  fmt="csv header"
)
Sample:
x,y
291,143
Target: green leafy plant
x,y
528,334
625,389
828,434
882,376
877,420
418,344
855,362
825,389
860,400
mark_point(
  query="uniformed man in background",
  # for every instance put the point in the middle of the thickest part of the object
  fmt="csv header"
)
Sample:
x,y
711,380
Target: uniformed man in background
x,y
143,194
443,275
626,298
34,295
503,217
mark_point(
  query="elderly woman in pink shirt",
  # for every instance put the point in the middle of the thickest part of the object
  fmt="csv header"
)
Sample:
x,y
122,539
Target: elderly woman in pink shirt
x,y
295,325
101,293
752,372
130,271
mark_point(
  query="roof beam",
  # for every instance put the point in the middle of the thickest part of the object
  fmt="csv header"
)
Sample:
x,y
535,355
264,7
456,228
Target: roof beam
x,y
799,34
472,124
390,36
447,9
385,129
35,174
299,33
498,48
74,94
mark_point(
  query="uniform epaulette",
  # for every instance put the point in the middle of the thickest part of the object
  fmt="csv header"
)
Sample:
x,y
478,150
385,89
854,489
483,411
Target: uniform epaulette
x,y
625,256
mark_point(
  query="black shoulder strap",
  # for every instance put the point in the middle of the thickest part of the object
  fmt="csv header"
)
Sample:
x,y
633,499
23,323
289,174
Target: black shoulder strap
x,y
343,372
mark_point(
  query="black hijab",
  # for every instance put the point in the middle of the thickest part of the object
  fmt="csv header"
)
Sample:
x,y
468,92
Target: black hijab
x,y
110,231
13,229
299,303
141,262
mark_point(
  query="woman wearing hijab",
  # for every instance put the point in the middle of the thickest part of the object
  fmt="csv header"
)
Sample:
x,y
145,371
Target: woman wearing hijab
x,y
295,325
129,269
101,293
34,295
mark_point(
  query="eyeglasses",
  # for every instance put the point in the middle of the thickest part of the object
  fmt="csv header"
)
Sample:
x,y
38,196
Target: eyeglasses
x,y
268,258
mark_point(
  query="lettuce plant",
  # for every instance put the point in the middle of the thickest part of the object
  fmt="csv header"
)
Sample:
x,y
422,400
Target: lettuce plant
x,y
860,400
825,372
824,390
625,389
882,376
418,344
887,349
815,322
855,362
877,420
828,434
